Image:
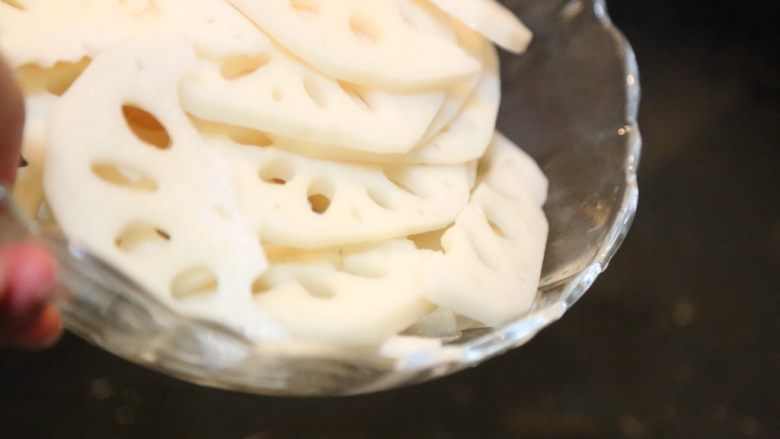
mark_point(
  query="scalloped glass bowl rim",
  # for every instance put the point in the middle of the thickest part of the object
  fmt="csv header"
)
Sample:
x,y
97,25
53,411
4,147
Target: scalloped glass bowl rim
x,y
516,333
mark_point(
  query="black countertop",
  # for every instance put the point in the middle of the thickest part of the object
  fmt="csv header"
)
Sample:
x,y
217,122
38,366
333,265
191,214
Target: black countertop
x,y
679,339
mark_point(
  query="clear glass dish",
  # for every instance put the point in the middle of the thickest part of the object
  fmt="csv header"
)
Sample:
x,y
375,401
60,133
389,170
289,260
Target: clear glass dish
x,y
571,102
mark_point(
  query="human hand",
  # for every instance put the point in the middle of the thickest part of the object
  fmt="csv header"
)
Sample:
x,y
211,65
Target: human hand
x,y
27,272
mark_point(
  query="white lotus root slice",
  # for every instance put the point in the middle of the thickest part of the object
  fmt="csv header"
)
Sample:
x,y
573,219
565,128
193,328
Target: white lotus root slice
x,y
370,296
214,27
422,12
511,171
41,88
492,259
130,178
43,32
486,267
467,136
370,43
491,19
277,94
464,139
302,202
455,100
28,188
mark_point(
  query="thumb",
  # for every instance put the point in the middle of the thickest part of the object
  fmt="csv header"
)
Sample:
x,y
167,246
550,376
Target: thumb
x,y
11,124
27,275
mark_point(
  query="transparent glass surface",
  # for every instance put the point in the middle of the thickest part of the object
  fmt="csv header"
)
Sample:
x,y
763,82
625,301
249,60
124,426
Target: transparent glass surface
x,y
571,102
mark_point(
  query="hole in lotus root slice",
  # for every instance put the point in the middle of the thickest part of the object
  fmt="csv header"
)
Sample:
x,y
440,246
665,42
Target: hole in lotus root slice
x,y
320,195
277,172
236,67
14,4
364,30
315,92
496,229
429,240
146,127
124,176
484,166
482,249
249,137
276,254
261,286
306,7
356,93
141,236
398,176
498,223
378,197
195,281
319,203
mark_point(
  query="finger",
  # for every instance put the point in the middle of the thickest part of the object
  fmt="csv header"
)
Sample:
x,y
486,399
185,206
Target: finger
x,y
28,273
11,124
43,332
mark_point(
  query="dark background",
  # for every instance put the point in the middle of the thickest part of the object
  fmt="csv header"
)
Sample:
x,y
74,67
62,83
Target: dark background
x,y
679,339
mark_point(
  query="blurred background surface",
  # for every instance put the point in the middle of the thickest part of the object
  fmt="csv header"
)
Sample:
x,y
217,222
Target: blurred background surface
x,y
679,339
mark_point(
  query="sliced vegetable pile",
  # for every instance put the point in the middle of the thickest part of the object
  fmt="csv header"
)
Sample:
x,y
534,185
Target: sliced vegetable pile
x,y
305,169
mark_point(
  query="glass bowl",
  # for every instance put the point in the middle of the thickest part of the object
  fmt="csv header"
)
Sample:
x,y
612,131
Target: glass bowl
x,y
571,102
